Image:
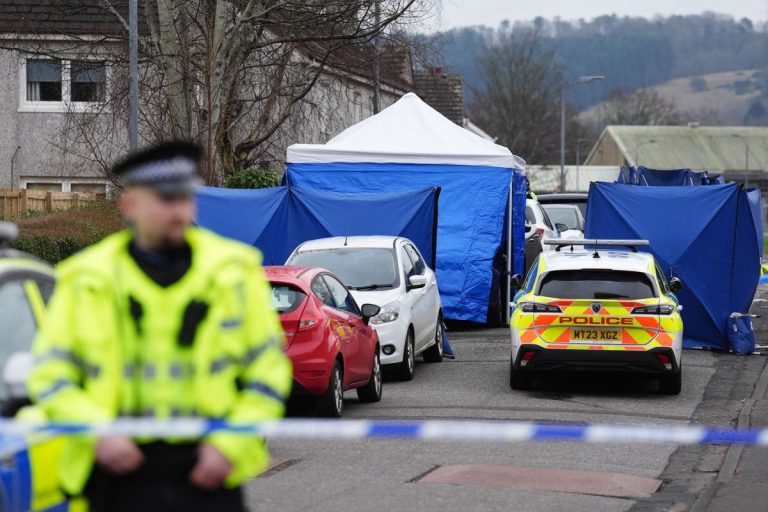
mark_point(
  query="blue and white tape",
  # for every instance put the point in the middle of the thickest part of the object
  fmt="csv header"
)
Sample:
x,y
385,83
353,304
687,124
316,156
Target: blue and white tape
x,y
436,430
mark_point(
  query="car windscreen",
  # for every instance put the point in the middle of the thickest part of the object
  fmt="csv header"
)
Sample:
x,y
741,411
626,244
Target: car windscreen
x,y
286,298
563,215
596,284
358,268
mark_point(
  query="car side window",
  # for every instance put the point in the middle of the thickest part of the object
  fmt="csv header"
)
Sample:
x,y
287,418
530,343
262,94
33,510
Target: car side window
x,y
341,296
419,267
320,289
546,218
530,279
662,281
530,218
408,266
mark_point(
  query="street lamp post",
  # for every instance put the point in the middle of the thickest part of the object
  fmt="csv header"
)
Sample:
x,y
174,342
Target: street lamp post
x,y
566,86
637,150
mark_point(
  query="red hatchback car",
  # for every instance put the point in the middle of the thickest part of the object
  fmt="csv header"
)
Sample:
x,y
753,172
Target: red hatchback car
x,y
329,341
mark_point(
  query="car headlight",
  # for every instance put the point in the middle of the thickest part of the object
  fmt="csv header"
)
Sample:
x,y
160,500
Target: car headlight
x,y
389,313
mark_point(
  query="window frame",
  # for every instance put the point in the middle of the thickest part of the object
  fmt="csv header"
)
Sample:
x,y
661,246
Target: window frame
x,y
541,281
319,278
412,253
65,105
66,183
328,278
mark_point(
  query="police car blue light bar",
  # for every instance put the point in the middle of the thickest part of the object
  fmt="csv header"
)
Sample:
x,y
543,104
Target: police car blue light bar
x,y
631,244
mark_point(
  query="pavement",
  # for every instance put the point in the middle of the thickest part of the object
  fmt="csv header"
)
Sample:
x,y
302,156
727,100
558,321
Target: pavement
x,y
385,475
742,483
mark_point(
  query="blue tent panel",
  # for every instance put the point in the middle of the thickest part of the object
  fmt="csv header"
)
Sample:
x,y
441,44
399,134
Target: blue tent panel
x,y
755,198
473,202
665,178
279,219
703,235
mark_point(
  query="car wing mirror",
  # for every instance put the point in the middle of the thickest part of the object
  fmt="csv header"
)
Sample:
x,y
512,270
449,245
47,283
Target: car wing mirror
x,y
417,282
561,227
675,284
516,282
528,228
369,311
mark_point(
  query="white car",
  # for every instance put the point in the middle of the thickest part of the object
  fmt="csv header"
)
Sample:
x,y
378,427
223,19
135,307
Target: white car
x,y
390,273
569,215
539,221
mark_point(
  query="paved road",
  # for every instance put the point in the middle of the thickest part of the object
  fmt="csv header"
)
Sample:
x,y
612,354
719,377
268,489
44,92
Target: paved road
x,y
384,475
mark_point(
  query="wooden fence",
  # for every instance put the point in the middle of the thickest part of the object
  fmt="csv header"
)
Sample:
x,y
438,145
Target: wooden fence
x,y
17,202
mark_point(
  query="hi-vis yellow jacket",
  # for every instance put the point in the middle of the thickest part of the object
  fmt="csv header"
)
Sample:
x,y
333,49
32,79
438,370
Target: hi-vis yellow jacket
x,y
116,344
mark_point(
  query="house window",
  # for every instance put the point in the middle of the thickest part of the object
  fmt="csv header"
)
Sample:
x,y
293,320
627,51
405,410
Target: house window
x,y
44,80
61,85
97,189
89,81
44,186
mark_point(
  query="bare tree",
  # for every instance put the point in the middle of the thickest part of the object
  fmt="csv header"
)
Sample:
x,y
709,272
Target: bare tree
x,y
228,73
639,108
519,99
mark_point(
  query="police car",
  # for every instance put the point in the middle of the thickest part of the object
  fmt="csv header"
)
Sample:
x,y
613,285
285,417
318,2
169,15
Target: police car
x,y
594,305
27,478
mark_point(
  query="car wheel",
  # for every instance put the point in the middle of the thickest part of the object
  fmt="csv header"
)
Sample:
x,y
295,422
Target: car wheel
x,y
331,404
434,354
371,391
517,379
671,384
407,368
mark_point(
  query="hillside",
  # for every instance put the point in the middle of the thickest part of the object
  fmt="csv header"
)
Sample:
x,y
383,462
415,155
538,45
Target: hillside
x,y
725,98
632,53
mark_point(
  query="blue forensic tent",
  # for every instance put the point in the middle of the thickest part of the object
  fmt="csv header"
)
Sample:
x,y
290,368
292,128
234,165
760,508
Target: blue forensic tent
x,y
703,235
277,220
655,177
410,145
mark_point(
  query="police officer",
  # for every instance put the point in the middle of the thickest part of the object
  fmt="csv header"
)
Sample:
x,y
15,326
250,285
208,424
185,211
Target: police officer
x,y
162,320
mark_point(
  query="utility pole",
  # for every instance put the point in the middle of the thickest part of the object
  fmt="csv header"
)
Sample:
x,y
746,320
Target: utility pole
x,y
567,85
377,59
133,76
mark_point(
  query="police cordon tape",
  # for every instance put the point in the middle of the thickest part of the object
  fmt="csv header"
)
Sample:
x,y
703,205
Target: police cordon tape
x,y
435,430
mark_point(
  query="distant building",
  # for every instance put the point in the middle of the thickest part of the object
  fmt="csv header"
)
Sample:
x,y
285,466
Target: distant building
x,y
738,152
545,179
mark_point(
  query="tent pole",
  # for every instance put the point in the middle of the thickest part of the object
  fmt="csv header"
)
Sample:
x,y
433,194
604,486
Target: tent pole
x,y
509,250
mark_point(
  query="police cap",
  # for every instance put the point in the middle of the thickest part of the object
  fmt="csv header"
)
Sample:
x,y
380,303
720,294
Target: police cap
x,y
169,168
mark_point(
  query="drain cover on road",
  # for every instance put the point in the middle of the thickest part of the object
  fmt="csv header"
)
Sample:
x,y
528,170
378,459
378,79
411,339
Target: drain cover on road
x,y
541,479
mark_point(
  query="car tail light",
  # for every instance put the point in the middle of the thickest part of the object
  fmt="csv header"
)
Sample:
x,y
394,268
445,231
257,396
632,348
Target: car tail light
x,y
527,356
656,309
665,360
310,318
535,307
307,324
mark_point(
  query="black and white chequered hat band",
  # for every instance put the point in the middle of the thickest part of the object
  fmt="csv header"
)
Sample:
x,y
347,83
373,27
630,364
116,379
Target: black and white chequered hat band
x,y
160,171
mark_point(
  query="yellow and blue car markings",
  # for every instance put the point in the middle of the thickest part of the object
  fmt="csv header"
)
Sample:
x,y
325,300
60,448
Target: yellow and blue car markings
x,y
28,480
555,330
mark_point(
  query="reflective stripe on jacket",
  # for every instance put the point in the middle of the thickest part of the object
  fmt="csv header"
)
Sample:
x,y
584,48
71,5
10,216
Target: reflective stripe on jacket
x,y
117,344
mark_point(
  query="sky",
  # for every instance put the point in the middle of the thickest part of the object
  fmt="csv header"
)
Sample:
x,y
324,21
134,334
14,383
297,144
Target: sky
x,y
457,13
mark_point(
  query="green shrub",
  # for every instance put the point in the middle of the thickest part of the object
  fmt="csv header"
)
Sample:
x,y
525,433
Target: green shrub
x,y
252,178
50,250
